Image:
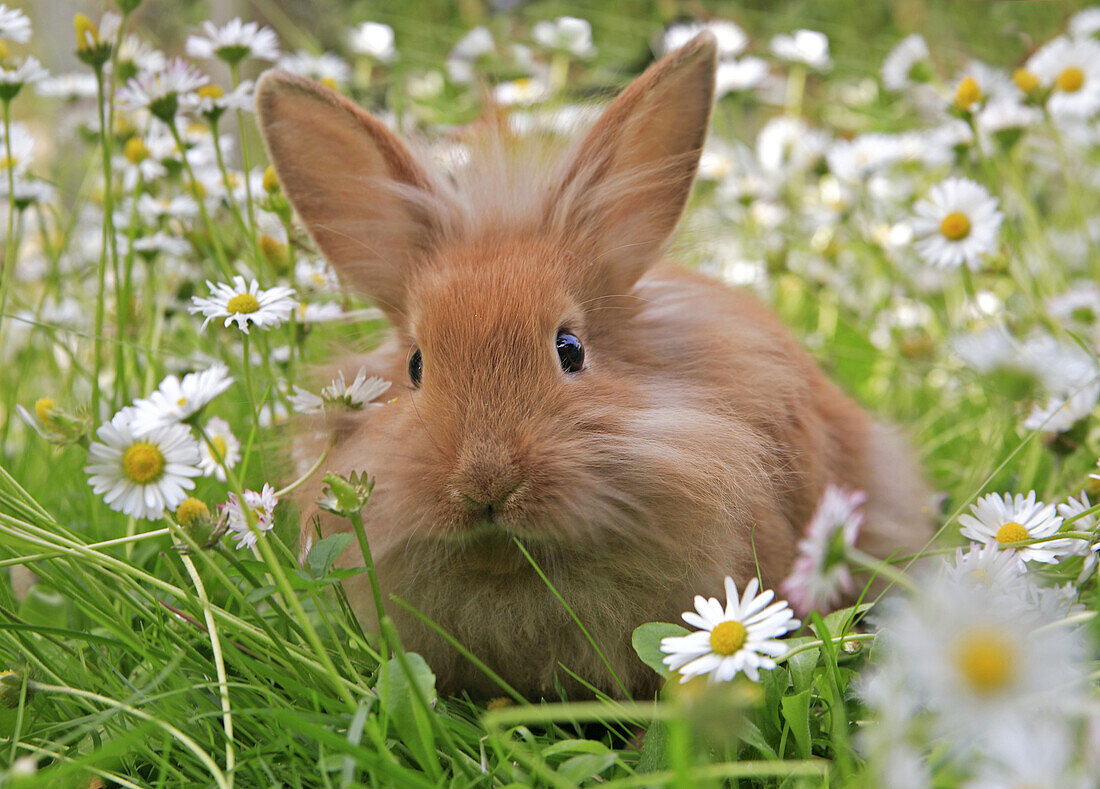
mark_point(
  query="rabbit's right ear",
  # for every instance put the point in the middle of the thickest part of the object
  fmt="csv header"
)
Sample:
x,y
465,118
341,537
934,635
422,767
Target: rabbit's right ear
x,y
353,183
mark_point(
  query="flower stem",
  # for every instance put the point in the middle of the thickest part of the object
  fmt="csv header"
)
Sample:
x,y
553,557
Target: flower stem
x,y
252,400
881,568
10,250
356,518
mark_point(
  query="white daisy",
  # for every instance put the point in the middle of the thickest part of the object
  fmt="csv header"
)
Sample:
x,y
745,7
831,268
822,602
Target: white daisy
x,y
1004,520
326,68
359,393
974,661
225,443
244,303
1085,23
316,275
136,56
69,87
523,91
742,637
820,575
176,400
142,476
474,45
262,506
803,46
985,564
731,39
1060,413
234,42
901,65
14,77
213,100
565,34
1075,509
1071,69
958,222
373,39
743,74
164,92
14,25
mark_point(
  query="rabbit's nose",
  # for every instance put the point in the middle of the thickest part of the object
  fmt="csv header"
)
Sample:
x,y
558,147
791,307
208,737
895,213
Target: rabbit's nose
x,y
482,496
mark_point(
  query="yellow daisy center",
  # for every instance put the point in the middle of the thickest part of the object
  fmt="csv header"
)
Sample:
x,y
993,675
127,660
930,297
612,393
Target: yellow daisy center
x,y
1012,532
135,150
87,35
219,446
4,51
727,637
967,93
1025,80
955,226
980,575
243,303
191,510
271,181
986,660
143,462
211,92
44,409
328,82
1070,80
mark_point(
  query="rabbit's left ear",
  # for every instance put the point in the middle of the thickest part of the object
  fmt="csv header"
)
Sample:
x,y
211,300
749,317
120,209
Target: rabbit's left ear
x,y
630,178
357,188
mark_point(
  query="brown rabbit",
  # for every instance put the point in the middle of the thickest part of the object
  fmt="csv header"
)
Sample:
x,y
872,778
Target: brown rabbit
x,y
641,429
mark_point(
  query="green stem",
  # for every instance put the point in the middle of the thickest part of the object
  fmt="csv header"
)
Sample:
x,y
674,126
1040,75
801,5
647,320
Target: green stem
x,y
215,240
10,250
880,568
356,518
252,400
219,663
101,276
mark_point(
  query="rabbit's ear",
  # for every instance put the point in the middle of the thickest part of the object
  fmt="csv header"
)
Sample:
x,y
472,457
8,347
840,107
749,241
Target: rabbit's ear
x,y
630,179
352,182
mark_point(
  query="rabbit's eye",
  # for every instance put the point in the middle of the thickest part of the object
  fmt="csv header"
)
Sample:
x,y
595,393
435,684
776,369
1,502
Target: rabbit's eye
x,y
570,352
416,367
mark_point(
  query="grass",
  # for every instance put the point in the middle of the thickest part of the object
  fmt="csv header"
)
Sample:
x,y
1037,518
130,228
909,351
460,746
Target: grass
x,y
136,656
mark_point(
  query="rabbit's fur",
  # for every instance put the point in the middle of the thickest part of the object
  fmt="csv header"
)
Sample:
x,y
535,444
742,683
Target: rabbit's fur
x,y
693,444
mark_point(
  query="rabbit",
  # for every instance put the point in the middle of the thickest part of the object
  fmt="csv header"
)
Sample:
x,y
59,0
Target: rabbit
x,y
641,429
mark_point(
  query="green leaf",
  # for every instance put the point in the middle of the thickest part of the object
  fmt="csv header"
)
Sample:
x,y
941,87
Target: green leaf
x,y
396,695
652,758
589,765
796,711
573,747
324,554
802,666
647,643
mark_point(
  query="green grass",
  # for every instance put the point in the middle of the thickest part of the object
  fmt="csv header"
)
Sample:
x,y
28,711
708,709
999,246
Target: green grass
x,y
140,658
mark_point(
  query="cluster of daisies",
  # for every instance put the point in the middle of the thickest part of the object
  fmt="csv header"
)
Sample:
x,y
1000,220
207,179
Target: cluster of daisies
x,y
981,669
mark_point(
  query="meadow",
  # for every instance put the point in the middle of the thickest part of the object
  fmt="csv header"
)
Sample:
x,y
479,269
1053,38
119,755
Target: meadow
x,y
913,186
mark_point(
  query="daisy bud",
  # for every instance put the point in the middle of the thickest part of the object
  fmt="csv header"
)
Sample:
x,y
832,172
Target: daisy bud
x,y
968,93
135,150
271,181
11,686
275,252
194,518
1025,80
346,496
44,409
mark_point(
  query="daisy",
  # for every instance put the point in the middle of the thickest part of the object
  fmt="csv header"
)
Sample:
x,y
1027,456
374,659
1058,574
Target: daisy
x,y
565,34
956,223
244,303
234,42
731,39
69,87
477,43
176,400
142,476
803,46
743,74
1085,23
985,564
165,91
1059,414
262,506
905,63
359,393
374,40
213,100
13,78
739,638
1075,509
1004,520
978,659
14,25
1071,68
820,576
326,68
227,446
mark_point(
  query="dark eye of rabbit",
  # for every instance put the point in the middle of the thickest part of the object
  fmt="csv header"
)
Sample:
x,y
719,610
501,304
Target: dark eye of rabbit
x,y
416,367
570,352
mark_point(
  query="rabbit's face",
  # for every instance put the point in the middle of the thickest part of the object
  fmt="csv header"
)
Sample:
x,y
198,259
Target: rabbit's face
x,y
497,365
